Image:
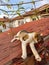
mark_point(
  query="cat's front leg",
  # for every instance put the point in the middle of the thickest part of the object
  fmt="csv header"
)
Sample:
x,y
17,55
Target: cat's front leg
x,y
37,57
24,51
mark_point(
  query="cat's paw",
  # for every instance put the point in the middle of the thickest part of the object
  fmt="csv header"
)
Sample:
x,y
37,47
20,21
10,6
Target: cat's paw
x,y
38,58
23,56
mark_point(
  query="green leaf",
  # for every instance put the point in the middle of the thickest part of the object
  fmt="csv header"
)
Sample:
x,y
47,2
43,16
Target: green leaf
x,y
1,23
5,13
46,10
33,1
3,10
18,12
9,6
21,8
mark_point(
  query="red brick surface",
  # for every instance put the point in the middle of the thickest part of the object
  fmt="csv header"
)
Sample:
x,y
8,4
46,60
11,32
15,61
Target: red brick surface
x,y
10,50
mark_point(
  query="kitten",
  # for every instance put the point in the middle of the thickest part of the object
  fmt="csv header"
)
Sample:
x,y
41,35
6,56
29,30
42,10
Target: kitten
x,y
31,38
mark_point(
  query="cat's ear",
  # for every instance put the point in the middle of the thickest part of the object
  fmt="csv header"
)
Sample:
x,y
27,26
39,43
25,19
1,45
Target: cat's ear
x,y
25,37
